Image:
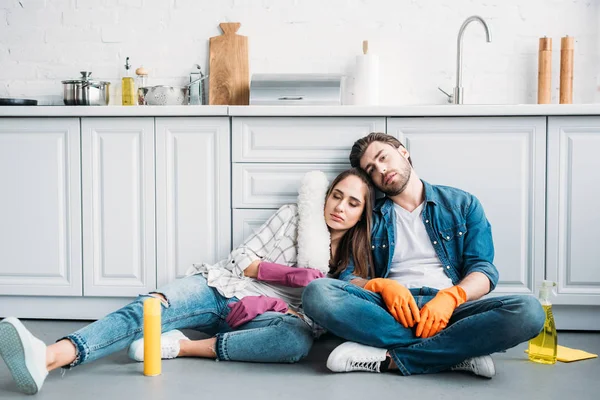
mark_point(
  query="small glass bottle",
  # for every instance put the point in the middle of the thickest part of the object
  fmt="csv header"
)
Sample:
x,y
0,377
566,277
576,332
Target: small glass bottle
x,y
128,87
543,347
142,82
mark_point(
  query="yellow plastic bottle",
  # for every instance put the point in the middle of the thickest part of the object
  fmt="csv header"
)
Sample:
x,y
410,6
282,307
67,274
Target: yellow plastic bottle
x,y
542,348
152,331
128,87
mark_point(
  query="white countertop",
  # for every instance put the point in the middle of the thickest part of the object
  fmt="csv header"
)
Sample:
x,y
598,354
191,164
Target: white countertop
x,y
448,110
113,111
302,111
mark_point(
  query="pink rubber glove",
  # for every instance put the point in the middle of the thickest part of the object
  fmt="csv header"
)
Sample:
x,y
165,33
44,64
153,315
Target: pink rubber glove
x,y
286,276
250,306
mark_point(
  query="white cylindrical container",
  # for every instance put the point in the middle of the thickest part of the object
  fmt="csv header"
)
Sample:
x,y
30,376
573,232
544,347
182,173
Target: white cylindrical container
x,y
366,78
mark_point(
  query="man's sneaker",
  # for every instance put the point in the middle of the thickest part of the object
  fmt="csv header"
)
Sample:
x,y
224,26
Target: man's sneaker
x,y
482,366
351,356
24,354
169,346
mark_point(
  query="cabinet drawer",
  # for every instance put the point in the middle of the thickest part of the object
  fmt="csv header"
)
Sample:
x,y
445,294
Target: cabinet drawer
x,y
246,222
299,139
272,185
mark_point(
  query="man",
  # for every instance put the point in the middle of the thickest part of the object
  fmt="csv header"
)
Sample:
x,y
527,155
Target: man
x,y
433,254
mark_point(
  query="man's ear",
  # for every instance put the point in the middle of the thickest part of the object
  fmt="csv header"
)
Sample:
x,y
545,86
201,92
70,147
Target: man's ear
x,y
403,152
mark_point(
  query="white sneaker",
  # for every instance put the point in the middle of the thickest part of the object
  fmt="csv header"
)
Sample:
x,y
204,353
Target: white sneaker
x,y
169,346
350,356
24,354
482,366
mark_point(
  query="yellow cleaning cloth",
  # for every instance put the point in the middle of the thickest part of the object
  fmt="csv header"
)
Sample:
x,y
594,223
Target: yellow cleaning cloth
x,y
567,354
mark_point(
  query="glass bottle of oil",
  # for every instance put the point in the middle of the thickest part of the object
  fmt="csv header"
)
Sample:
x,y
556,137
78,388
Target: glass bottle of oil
x,y
128,87
542,348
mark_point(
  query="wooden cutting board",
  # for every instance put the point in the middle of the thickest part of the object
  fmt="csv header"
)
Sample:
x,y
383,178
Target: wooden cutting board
x,y
229,77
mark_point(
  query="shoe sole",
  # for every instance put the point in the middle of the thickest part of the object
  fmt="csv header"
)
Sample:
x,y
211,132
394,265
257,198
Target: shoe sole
x,y
13,353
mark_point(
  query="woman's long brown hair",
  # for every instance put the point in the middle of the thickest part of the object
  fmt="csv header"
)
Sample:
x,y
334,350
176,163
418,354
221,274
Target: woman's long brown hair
x,y
356,242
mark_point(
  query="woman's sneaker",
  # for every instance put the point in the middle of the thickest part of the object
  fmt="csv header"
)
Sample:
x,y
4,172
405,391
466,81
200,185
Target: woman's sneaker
x,y
481,366
169,346
351,356
24,354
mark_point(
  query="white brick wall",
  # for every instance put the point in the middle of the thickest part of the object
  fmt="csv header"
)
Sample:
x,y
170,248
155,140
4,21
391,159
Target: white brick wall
x,y
45,41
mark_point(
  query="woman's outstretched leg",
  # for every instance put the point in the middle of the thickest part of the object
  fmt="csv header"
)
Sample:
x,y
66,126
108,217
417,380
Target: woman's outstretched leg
x,y
188,303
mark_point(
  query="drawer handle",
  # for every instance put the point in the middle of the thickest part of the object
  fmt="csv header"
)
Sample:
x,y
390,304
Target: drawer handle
x,y
291,98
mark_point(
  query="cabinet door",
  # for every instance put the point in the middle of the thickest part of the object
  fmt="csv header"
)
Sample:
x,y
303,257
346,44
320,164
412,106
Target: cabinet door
x,y
573,252
118,206
193,193
246,222
40,207
502,162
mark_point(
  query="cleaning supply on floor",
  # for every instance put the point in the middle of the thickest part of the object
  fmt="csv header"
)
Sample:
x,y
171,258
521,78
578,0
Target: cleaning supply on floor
x,y
543,348
567,354
152,331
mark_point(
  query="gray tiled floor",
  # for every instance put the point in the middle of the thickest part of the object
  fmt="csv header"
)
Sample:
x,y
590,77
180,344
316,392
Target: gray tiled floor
x,y
116,377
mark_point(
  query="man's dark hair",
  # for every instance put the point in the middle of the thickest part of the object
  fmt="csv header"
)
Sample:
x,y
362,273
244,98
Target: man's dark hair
x,y
360,146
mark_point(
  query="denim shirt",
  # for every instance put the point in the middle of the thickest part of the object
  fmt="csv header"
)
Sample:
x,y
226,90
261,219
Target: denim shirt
x,y
456,225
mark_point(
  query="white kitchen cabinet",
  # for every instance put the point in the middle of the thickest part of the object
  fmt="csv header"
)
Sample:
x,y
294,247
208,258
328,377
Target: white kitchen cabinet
x,y
573,253
299,139
193,193
40,207
273,185
502,162
119,256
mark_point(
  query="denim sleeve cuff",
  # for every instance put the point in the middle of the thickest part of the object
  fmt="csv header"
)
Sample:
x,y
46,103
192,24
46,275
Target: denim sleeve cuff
x,y
489,271
348,277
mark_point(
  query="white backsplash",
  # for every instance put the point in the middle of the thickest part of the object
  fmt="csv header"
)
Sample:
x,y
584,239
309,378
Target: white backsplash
x,y
45,41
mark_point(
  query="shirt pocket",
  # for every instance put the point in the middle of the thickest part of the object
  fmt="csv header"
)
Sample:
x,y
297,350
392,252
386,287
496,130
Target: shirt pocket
x,y
452,240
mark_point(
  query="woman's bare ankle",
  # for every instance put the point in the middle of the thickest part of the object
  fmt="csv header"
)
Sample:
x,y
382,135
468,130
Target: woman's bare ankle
x,y
198,348
60,354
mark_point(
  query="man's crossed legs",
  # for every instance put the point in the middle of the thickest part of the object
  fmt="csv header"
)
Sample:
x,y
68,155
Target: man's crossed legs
x,y
476,329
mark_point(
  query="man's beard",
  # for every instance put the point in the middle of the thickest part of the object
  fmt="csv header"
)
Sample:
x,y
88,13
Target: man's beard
x,y
404,177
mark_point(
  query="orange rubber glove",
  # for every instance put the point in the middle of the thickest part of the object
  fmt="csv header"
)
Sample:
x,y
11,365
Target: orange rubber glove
x,y
436,314
398,299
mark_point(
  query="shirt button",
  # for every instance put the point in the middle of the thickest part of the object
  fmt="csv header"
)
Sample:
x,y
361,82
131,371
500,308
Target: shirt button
x,y
426,221
373,247
459,233
383,246
447,267
435,242
447,237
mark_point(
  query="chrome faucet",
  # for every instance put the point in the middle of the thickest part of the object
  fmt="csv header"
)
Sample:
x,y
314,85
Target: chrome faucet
x,y
457,98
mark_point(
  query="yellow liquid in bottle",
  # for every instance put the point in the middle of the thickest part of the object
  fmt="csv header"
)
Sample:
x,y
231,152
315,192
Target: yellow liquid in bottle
x,y
128,87
542,348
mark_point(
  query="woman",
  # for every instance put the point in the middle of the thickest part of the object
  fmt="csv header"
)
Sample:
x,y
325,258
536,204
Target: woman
x,y
249,303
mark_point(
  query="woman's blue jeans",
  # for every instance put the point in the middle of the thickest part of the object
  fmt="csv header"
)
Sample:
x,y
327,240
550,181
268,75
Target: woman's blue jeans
x,y
192,304
476,328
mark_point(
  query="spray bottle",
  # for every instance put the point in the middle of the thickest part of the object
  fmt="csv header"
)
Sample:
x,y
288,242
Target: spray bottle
x,y
542,348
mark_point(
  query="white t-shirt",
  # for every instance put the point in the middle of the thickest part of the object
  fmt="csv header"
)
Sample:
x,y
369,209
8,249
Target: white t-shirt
x,y
415,263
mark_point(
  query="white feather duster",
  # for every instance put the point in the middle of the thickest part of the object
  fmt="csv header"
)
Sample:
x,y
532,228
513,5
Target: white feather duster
x,y
313,236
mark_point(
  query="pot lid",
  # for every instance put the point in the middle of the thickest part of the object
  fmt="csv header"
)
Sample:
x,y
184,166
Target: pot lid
x,y
85,77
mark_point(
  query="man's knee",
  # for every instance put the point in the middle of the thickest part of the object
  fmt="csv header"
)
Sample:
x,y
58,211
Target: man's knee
x,y
531,315
318,295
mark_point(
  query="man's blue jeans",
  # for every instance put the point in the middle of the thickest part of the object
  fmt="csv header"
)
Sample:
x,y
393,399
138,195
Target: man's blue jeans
x,y
476,328
191,303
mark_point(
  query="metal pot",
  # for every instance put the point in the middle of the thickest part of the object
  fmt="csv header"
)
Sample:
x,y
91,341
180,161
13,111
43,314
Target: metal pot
x,y
85,91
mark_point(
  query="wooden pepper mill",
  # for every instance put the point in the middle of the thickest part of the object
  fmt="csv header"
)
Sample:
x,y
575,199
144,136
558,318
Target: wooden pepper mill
x,y
545,71
567,45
